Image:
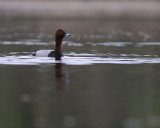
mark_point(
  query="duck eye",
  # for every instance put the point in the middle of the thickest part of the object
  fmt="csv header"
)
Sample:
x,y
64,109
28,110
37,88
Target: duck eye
x,y
64,34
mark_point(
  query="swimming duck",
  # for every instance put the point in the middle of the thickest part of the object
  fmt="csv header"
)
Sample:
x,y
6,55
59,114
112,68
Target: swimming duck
x,y
59,35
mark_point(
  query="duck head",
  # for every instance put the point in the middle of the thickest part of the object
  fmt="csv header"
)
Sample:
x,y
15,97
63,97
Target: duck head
x,y
60,34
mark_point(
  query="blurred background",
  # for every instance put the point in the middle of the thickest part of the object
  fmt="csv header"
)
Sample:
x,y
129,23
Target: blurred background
x,y
80,8
79,95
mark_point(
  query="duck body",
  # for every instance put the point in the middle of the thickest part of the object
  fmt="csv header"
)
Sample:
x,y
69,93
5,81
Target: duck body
x,y
60,34
48,53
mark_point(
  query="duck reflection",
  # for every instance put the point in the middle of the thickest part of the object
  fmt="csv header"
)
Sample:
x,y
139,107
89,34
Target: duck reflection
x,y
58,73
62,77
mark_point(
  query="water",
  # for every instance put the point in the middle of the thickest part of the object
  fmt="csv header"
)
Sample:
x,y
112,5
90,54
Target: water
x,y
108,77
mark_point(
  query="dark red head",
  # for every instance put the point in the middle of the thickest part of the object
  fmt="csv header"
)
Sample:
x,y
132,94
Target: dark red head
x,y
60,34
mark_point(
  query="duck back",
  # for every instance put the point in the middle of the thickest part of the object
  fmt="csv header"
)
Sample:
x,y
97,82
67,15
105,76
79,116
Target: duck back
x,y
42,53
48,53
55,54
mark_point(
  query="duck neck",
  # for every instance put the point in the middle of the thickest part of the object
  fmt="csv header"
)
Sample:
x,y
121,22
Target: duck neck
x,y
58,44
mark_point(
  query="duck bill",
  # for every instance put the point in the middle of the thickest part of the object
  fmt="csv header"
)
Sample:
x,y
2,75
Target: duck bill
x,y
67,34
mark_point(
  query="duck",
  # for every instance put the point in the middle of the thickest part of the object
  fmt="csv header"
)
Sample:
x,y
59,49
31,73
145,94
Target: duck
x,y
57,53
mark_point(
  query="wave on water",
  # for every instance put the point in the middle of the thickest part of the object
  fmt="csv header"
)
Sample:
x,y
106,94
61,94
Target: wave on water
x,y
72,58
30,60
79,44
24,42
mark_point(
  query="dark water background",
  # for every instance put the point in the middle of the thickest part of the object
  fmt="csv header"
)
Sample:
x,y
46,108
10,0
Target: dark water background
x,y
68,93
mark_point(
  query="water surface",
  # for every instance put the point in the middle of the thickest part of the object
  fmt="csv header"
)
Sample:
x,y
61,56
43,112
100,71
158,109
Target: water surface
x,y
108,77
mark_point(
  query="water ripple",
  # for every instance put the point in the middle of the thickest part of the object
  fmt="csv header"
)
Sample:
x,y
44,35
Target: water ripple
x,y
30,60
106,55
140,44
24,42
115,44
79,44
